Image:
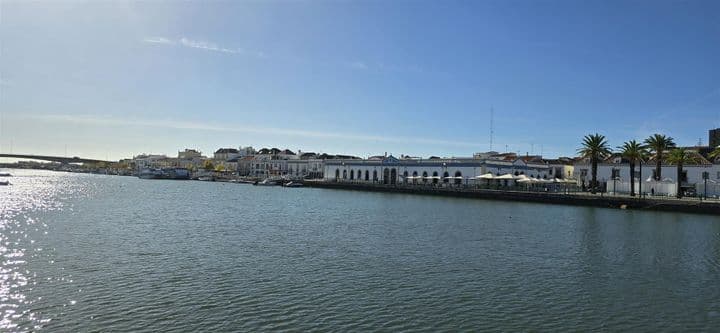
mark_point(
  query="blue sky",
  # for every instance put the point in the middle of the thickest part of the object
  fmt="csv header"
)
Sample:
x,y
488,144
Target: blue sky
x,y
113,79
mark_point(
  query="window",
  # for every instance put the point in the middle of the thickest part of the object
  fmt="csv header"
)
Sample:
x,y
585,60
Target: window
x,y
615,173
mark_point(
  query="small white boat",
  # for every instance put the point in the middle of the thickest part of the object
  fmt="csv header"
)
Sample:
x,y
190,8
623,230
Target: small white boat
x,y
293,184
266,182
206,178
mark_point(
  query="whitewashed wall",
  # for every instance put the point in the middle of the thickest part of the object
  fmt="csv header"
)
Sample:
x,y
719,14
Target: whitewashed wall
x,y
694,172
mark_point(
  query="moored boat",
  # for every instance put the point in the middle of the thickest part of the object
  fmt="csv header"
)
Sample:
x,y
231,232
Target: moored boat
x,y
266,182
150,174
167,173
293,184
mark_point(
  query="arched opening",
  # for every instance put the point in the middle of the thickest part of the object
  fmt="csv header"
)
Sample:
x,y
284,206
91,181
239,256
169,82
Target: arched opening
x,y
458,177
393,176
337,174
344,174
517,173
425,176
375,178
359,175
405,176
352,174
435,177
446,176
386,176
367,175
414,177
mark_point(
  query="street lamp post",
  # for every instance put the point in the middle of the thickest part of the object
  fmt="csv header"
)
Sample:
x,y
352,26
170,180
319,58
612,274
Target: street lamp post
x,y
705,175
640,181
615,179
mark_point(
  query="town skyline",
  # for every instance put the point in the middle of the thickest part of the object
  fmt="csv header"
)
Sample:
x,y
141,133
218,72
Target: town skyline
x,y
112,80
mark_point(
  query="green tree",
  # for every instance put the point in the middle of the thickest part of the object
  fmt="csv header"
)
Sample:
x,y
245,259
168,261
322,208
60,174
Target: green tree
x,y
680,157
208,165
220,168
714,154
658,144
634,152
595,147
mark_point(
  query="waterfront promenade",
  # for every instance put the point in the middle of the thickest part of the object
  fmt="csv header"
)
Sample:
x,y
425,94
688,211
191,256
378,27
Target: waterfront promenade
x,y
567,197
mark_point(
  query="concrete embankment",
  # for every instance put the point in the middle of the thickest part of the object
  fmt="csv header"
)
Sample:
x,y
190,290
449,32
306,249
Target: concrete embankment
x,y
582,199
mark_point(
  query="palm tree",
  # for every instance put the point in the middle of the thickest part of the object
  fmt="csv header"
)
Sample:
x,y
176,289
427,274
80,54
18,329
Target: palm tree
x,y
595,147
658,144
634,152
714,154
680,157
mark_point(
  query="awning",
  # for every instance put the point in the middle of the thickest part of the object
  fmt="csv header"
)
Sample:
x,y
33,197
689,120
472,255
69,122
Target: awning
x,y
486,176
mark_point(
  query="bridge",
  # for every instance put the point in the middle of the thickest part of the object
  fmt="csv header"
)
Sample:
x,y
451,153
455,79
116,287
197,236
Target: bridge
x,y
60,159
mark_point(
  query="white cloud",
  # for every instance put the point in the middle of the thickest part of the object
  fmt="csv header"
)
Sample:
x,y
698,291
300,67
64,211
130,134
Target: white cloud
x,y
172,124
203,45
158,40
358,65
206,46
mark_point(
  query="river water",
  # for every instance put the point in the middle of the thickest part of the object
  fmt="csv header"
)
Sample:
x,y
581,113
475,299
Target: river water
x,y
106,253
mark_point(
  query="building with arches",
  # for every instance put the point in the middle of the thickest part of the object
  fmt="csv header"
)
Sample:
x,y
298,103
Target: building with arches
x,y
438,171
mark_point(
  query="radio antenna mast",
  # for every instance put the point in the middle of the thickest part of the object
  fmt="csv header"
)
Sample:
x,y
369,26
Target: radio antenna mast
x,y
492,130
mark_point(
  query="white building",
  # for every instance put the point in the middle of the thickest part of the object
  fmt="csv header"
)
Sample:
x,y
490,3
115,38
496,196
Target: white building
x,y
224,154
614,173
151,161
246,151
269,163
305,168
189,154
390,170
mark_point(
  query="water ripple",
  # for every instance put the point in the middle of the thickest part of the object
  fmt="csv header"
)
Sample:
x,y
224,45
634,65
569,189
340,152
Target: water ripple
x,y
96,253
